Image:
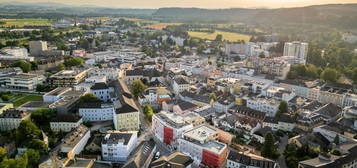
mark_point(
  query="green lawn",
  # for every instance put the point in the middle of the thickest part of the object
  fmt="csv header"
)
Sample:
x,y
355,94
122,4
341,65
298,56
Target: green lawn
x,y
229,36
25,22
26,98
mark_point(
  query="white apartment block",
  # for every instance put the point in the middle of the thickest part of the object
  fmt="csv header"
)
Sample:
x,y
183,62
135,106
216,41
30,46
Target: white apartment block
x,y
117,146
179,85
110,73
75,141
65,123
10,119
297,49
24,81
268,106
96,111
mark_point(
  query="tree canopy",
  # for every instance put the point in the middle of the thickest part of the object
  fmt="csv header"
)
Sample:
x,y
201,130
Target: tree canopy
x,y
137,88
73,61
24,65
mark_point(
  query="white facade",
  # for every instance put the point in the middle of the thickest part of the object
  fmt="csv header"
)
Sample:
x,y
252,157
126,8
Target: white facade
x,y
24,81
178,88
109,73
65,126
297,49
268,106
103,112
118,146
14,54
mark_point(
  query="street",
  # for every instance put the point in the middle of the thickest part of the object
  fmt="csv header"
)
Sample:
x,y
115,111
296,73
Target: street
x,y
281,148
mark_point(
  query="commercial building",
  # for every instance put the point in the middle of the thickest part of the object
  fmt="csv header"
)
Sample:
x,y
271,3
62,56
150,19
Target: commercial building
x,y
169,127
96,111
201,145
65,123
117,146
10,119
67,78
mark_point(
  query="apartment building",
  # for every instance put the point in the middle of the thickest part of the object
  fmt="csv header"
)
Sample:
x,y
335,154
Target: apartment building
x,y
117,146
75,141
65,123
96,111
67,78
24,81
10,119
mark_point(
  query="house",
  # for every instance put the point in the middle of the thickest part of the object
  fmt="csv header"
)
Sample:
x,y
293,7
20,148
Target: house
x,y
178,159
246,159
10,119
142,156
95,145
283,122
96,111
65,123
116,146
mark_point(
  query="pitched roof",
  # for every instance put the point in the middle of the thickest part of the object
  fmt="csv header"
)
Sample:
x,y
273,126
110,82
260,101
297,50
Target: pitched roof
x,y
126,108
99,86
181,81
140,155
177,160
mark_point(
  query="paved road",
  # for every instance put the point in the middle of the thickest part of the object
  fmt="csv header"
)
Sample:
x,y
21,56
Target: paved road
x,y
281,148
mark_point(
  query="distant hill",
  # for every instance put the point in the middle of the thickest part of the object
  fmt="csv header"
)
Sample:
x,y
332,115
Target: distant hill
x,y
340,15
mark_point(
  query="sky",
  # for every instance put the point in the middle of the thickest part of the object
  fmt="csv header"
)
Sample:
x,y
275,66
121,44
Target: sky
x,y
192,3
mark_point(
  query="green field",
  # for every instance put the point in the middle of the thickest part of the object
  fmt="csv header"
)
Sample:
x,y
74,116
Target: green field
x,y
229,36
24,22
26,98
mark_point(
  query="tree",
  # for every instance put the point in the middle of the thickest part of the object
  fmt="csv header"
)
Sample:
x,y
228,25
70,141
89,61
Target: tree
x,y
3,154
27,131
33,158
219,37
213,96
329,74
19,162
43,116
73,61
38,145
89,97
261,55
149,112
137,88
24,65
269,149
61,67
283,108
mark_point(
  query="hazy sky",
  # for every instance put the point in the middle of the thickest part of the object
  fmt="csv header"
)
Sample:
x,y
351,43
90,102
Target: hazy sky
x,y
192,3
